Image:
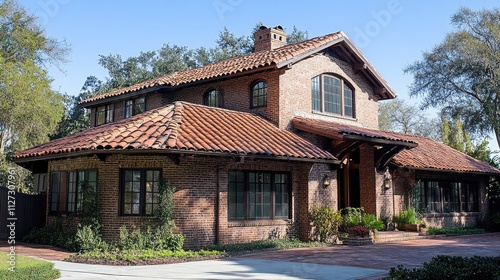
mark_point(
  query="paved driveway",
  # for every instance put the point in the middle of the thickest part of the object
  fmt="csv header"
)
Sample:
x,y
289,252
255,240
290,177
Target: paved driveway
x,y
384,256
331,262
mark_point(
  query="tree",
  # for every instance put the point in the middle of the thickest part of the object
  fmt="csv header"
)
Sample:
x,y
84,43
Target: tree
x,y
29,108
398,116
76,118
455,135
297,36
462,73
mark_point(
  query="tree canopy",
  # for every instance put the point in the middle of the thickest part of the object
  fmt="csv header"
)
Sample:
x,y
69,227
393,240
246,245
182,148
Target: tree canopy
x,y
29,108
398,116
462,74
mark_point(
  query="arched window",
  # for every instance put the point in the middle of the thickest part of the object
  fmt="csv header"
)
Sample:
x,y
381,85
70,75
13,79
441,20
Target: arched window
x,y
332,94
258,95
211,98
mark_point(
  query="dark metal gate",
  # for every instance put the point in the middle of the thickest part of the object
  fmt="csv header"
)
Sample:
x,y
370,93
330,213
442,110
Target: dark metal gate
x,y
29,211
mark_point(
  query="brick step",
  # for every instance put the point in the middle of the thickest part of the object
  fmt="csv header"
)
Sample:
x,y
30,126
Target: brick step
x,y
395,236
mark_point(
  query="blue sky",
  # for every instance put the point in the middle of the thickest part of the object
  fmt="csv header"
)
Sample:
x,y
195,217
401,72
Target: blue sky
x,y
390,33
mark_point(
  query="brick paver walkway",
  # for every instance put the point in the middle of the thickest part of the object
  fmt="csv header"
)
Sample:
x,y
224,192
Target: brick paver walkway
x,y
384,256
45,252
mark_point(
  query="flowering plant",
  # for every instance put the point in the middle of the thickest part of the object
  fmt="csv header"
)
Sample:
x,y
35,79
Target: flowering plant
x,y
358,231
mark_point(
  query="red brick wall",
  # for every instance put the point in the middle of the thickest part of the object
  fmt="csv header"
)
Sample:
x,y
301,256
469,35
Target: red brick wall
x,y
367,179
196,181
236,94
295,92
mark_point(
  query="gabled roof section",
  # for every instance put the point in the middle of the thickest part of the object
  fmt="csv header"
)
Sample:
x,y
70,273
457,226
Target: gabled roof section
x,y
184,128
277,58
433,155
416,152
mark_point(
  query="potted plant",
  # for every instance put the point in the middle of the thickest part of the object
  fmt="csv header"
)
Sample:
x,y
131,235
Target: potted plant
x,y
409,220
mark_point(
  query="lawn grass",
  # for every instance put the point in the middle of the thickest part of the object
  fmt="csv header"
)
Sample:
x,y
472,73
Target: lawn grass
x,y
27,268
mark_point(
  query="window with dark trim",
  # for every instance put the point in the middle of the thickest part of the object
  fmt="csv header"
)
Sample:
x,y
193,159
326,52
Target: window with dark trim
x,y
258,195
258,96
134,106
446,196
332,94
66,192
212,98
139,191
104,114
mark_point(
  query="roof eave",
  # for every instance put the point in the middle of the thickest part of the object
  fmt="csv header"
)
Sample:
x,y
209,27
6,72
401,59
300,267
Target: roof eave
x,y
478,173
25,160
387,93
122,96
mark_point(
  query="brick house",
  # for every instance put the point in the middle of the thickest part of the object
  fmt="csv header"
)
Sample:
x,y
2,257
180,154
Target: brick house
x,y
252,143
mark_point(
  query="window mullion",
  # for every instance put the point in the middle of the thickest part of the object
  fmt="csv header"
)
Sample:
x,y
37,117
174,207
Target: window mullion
x,y
273,197
142,194
321,86
342,109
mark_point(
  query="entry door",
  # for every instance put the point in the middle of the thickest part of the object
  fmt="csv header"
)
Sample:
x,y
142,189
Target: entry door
x,y
349,190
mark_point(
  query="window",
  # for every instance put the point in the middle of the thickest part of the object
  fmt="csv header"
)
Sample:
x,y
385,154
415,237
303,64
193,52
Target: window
x,y
445,196
211,98
134,107
332,94
66,189
139,191
258,195
104,114
259,95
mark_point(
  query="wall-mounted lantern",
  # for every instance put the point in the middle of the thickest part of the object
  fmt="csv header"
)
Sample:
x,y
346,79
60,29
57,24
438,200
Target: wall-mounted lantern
x,y
326,181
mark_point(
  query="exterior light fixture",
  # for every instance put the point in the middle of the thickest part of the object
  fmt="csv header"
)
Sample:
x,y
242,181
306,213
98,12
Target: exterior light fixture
x,y
387,179
326,181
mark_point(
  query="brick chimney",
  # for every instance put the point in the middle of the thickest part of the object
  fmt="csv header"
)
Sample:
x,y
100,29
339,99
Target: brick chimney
x,y
266,39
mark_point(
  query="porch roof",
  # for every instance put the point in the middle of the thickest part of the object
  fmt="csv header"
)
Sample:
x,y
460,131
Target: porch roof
x,y
403,150
184,128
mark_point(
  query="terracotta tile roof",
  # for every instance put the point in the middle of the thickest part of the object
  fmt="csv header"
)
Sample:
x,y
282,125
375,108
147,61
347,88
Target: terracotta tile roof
x,y
227,67
431,154
428,154
337,130
185,126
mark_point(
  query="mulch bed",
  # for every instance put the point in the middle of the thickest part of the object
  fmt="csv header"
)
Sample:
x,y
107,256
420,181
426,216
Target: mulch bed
x,y
152,261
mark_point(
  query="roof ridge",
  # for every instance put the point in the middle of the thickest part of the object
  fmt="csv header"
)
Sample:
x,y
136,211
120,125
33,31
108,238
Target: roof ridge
x,y
270,57
175,123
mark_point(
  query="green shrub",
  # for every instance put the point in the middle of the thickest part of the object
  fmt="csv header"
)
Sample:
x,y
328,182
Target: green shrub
x,y
352,217
53,234
455,231
162,238
451,267
370,222
326,221
27,268
407,216
89,239
275,244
